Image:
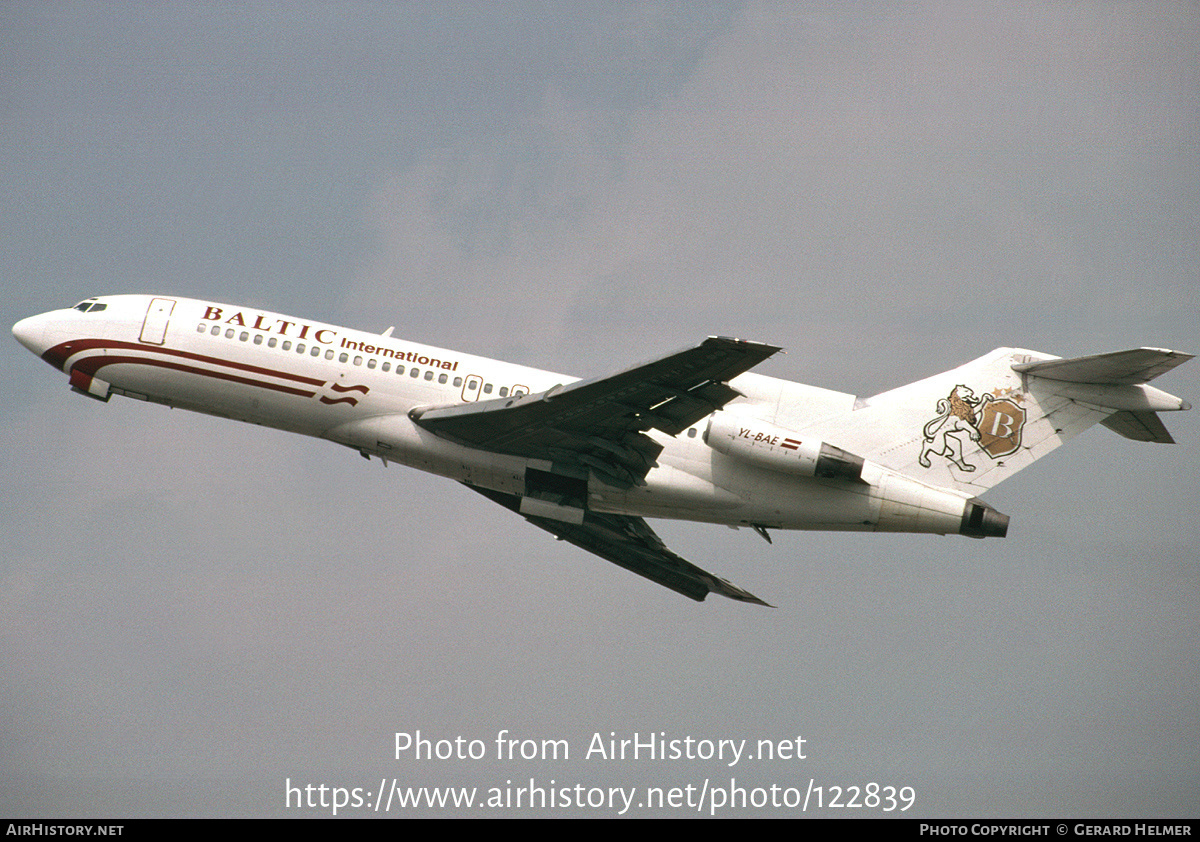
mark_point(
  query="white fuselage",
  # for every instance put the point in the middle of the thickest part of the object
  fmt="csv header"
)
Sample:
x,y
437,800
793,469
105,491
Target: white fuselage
x,y
358,388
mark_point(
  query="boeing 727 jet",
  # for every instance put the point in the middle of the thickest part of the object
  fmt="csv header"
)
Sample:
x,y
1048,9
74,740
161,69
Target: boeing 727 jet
x,y
692,435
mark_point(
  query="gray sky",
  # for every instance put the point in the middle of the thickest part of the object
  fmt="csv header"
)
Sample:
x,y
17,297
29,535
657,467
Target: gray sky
x,y
194,611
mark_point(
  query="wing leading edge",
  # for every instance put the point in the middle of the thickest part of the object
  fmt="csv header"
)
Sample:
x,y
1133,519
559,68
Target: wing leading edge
x,y
630,543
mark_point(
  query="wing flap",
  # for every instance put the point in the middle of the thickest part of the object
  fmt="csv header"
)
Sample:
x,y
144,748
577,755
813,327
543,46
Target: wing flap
x,y
630,543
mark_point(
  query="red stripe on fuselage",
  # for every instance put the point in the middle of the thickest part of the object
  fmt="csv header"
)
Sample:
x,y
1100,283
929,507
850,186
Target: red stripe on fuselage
x,y
93,364
59,354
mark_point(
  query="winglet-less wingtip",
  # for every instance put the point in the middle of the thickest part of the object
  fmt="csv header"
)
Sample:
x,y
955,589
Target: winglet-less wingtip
x,y
734,592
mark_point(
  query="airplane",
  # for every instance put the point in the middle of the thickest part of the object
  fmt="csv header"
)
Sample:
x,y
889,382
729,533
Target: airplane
x,y
693,435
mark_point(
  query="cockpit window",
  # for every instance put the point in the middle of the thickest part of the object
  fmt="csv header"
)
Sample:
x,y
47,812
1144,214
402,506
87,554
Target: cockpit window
x,y
90,306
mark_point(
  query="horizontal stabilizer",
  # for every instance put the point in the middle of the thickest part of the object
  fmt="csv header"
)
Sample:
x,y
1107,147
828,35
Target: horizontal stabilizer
x,y
1119,368
1139,426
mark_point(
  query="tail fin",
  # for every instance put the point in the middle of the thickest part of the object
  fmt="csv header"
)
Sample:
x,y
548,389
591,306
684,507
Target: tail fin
x,y
974,426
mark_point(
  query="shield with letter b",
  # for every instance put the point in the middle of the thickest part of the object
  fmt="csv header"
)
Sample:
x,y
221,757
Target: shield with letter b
x,y
1000,427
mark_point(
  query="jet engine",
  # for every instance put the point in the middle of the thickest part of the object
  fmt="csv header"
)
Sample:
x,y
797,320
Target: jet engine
x,y
773,447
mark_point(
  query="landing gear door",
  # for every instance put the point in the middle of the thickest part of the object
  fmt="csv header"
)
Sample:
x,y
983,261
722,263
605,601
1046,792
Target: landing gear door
x,y
154,329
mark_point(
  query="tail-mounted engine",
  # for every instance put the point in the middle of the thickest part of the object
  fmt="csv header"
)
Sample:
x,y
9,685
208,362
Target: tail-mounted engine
x,y
767,446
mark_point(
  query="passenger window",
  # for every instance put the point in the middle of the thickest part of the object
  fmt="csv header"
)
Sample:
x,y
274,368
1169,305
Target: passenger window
x,y
457,382
216,330
487,388
442,378
371,363
287,345
387,366
504,391
258,339
316,351
329,354
229,333
299,347
272,342
358,360
200,328
416,372
343,357
429,375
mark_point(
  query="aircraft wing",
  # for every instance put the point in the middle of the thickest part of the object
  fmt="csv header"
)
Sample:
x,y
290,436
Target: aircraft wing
x,y
599,424
630,543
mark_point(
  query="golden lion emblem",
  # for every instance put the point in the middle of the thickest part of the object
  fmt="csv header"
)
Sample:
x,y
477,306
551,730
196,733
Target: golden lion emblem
x,y
956,414
993,423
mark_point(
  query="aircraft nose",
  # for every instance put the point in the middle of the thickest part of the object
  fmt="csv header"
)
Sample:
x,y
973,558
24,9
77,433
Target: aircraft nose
x,y
30,332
